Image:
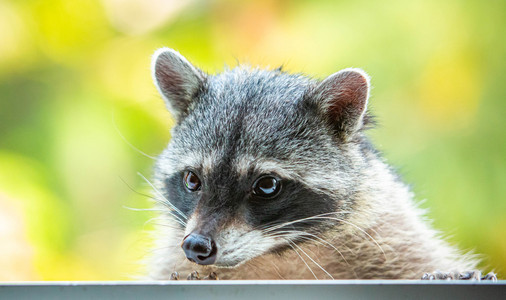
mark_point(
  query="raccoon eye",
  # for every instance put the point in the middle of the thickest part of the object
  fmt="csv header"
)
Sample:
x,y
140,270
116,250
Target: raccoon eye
x,y
266,186
191,181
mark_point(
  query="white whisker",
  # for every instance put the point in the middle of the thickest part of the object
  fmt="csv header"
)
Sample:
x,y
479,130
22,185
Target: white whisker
x,y
178,220
319,240
323,217
163,224
143,209
166,201
272,228
295,250
126,141
166,225
317,264
357,227
161,248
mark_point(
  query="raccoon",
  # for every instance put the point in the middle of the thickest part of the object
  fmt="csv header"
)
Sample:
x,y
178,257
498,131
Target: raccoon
x,y
269,175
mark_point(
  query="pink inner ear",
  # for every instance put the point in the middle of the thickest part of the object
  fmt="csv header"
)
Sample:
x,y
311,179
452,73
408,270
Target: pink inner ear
x,y
177,80
346,96
168,78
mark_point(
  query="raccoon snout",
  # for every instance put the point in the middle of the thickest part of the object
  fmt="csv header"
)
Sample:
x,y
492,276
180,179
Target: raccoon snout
x,y
199,249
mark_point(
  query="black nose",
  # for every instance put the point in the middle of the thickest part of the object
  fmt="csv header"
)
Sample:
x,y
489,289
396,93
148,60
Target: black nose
x,y
199,249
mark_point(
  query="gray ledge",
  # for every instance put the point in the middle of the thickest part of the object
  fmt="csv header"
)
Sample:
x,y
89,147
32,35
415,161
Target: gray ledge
x,y
289,289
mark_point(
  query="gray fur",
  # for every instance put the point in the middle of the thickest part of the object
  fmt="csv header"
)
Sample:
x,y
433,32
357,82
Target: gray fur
x,y
360,220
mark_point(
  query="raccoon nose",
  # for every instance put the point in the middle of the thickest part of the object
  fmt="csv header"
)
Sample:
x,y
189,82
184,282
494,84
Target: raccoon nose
x,y
199,249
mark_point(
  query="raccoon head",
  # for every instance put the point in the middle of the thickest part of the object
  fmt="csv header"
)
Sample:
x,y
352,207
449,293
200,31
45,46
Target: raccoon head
x,y
258,159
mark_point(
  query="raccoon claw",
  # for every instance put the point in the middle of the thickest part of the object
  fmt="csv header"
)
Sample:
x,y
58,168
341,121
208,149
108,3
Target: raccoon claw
x,y
211,276
490,276
471,275
174,276
193,276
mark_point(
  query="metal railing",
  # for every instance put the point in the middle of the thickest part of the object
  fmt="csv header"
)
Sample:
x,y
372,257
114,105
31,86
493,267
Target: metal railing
x,y
302,289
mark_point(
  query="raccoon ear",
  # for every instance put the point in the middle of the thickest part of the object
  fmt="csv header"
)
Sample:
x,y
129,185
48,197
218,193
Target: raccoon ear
x,y
176,79
342,97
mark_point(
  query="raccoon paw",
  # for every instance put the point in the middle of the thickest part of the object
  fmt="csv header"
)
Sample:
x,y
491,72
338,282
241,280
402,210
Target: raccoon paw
x,y
471,275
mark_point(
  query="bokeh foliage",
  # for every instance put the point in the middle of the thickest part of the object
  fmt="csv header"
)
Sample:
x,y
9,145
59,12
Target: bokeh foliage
x,y
75,91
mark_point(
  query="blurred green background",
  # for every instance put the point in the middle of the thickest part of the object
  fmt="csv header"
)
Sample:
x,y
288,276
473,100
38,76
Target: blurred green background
x,y
75,90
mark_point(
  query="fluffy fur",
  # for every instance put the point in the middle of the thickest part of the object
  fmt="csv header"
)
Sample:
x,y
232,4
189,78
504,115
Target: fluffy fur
x,y
342,212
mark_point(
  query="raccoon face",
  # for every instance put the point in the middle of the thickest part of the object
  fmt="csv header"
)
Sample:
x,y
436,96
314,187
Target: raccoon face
x,y
259,160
